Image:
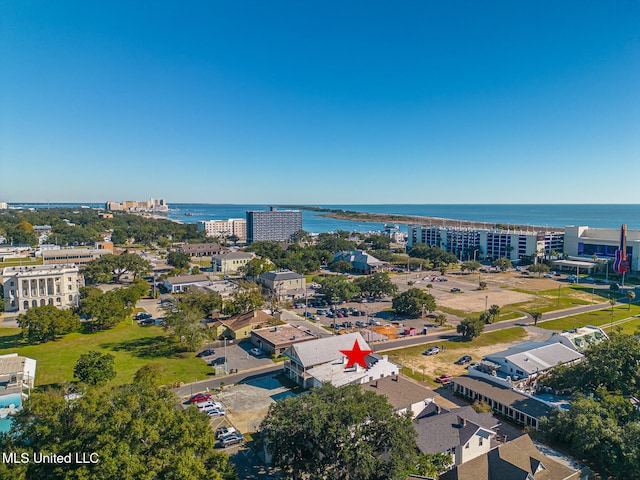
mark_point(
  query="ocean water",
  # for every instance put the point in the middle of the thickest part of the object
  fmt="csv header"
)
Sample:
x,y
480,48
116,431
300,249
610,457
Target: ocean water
x,y
553,216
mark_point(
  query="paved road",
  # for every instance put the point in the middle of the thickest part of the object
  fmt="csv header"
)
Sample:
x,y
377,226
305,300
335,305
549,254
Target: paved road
x,y
214,382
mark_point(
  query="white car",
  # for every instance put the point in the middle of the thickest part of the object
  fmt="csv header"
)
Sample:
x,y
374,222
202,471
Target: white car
x,y
216,412
206,406
256,351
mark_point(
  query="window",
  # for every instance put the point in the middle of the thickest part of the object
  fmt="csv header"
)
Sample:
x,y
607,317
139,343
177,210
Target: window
x,y
71,298
480,442
466,446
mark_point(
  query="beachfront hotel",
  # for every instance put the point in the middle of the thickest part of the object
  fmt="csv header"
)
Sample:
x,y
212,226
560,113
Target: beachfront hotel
x,y
477,243
225,228
273,225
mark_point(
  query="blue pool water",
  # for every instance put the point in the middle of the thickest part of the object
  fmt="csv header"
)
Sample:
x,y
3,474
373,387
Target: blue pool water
x,y
6,400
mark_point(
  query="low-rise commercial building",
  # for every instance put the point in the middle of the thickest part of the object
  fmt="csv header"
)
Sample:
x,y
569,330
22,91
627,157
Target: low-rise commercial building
x,y
241,326
403,394
39,285
77,256
361,262
521,408
180,283
201,249
275,340
584,242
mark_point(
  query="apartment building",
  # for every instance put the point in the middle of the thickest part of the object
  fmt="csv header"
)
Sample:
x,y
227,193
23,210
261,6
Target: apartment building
x,y
40,285
225,228
273,224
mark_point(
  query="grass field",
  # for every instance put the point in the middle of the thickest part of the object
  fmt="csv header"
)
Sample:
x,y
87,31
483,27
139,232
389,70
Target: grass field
x,y
132,346
17,262
600,318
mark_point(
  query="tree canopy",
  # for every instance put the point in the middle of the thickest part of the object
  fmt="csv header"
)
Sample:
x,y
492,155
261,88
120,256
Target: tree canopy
x,y
337,288
470,328
179,260
503,263
113,267
437,256
339,433
41,324
413,301
94,368
376,286
136,431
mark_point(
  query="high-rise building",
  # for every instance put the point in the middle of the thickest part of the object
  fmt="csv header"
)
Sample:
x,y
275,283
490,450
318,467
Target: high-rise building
x,y
273,224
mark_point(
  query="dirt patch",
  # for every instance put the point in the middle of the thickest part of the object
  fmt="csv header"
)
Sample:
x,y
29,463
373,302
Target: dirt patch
x,y
435,365
475,301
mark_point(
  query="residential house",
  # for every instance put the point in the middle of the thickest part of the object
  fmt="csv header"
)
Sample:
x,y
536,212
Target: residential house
x,y
241,326
230,262
462,432
275,340
313,363
287,285
17,371
361,262
519,407
404,394
180,283
518,459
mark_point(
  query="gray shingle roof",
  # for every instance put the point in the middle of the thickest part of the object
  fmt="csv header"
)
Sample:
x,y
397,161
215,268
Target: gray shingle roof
x,y
518,459
323,350
281,275
439,433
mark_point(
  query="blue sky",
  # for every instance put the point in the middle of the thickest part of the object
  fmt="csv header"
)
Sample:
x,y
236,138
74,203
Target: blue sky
x,y
320,102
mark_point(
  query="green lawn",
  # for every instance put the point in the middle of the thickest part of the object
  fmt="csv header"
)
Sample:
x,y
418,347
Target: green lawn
x,y
131,345
630,327
16,262
599,318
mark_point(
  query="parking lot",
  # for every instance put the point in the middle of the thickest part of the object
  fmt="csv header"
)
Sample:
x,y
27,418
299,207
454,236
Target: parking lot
x,y
238,357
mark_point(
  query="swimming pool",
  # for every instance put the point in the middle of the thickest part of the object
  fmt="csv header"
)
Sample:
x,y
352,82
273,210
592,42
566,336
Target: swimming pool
x,y
14,399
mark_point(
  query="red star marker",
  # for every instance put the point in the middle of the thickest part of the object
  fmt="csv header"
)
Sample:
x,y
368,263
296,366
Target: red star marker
x,y
355,355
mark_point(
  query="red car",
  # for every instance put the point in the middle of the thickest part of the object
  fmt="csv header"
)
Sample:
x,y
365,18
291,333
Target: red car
x,y
444,378
200,397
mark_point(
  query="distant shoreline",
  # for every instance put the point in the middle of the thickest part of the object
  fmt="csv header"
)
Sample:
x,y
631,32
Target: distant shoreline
x,y
413,219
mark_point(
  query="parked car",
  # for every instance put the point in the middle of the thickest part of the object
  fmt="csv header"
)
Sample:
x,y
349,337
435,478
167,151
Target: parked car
x,y
444,378
432,351
146,322
360,323
200,397
572,278
206,353
472,365
455,289
143,315
444,279
547,275
256,351
208,405
218,361
463,360
216,412
224,431
230,440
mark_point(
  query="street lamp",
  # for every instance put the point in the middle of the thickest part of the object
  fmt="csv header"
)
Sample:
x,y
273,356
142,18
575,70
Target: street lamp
x,y
486,300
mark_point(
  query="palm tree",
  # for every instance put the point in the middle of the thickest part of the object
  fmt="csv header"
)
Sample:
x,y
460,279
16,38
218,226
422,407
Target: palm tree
x,y
612,301
494,310
631,295
441,319
536,316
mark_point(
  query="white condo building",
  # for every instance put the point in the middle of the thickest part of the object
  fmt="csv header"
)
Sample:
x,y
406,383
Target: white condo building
x,y
36,286
467,243
224,228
